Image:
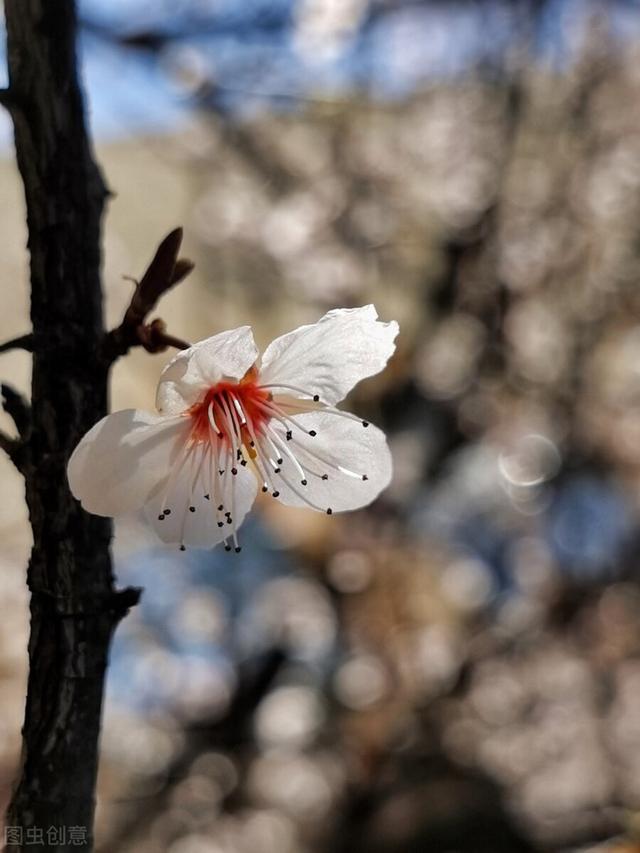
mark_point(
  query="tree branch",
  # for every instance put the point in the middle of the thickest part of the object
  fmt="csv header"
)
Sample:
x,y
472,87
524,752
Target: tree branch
x,y
18,409
24,342
164,272
14,449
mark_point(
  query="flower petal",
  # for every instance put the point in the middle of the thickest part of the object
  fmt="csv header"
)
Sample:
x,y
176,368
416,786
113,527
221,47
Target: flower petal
x,y
197,483
331,356
355,461
193,371
122,459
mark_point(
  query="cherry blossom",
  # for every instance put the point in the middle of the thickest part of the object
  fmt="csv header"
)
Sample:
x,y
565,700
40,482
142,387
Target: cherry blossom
x,y
228,426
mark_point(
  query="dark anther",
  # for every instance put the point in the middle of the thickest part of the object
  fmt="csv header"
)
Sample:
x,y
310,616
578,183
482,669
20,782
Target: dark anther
x,y
325,476
221,471
238,549
312,432
221,507
276,470
289,436
167,511
221,524
227,547
238,454
161,517
234,470
206,497
276,494
279,461
304,482
243,462
265,488
329,511
252,444
229,520
192,509
316,398
182,548
365,423
364,477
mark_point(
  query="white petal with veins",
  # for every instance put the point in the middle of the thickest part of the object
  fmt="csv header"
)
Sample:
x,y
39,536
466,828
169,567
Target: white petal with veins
x,y
122,459
228,355
331,356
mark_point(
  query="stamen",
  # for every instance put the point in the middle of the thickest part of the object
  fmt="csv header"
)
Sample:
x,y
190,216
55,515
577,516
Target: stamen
x,y
299,468
238,408
304,498
181,460
258,460
212,420
216,494
294,388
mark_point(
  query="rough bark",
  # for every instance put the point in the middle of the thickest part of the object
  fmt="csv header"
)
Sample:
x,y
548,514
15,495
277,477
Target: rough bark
x,y
74,607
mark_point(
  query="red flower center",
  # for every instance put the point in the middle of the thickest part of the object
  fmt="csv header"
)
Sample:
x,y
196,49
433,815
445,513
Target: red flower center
x,y
231,410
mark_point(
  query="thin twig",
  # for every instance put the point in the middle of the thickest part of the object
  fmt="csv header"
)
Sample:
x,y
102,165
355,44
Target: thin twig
x,y
17,407
24,342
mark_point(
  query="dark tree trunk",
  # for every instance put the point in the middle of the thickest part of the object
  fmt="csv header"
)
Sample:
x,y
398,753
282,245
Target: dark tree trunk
x,y
74,607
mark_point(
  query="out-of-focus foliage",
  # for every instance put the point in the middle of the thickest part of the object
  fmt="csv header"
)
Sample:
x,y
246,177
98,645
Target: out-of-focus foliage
x,y
456,668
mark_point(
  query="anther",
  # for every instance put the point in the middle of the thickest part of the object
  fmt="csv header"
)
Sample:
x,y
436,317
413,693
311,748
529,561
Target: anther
x,y
221,507
316,398
329,511
325,477
206,497
304,482
161,517
221,524
238,549
276,494
279,461
364,477
365,423
289,435
166,511
234,470
276,470
221,471
243,462
252,444
265,488
192,509
312,432
182,548
227,547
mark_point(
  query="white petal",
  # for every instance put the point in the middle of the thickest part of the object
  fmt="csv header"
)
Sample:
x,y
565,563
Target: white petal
x,y
197,475
122,459
193,371
329,357
339,443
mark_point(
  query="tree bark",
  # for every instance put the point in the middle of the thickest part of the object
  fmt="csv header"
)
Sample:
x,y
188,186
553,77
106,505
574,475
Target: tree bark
x,y
74,606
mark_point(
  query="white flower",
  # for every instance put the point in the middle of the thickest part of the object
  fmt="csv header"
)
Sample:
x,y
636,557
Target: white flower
x,y
228,427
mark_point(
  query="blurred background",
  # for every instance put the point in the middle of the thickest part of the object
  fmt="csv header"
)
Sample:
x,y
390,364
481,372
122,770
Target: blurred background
x,y
457,667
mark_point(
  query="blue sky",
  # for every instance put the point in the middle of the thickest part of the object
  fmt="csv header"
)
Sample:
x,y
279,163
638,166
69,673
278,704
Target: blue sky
x,y
252,51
